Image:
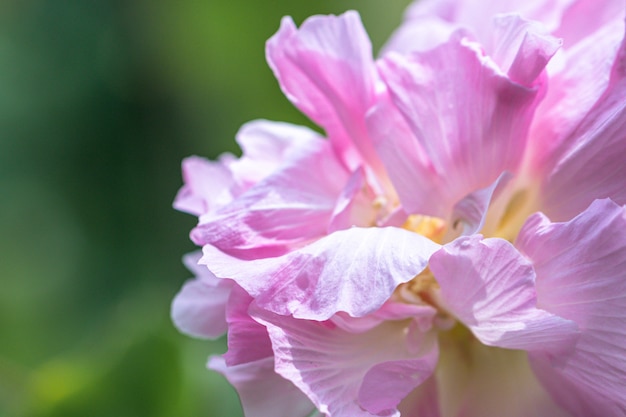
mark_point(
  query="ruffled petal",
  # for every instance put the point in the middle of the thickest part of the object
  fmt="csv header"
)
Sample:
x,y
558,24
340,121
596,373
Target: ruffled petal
x,y
347,374
471,211
354,271
521,48
248,340
199,308
266,145
477,15
262,391
355,204
490,287
327,70
207,185
292,206
453,124
587,151
581,276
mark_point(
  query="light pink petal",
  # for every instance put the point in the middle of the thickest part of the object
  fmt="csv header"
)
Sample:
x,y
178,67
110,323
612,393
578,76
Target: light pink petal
x,y
470,213
455,123
248,340
522,48
264,393
327,70
347,374
354,271
267,145
207,185
490,287
355,204
581,275
477,15
199,308
579,78
588,161
290,207
423,315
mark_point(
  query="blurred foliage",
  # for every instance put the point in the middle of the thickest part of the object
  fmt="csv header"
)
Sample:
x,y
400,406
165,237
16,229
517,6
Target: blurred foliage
x,y
100,101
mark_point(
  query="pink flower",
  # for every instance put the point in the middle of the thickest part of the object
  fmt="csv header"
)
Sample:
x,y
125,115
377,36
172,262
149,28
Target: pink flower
x,y
349,271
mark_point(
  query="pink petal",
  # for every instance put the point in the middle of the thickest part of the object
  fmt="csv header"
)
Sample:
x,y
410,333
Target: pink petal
x,y
248,340
490,287
423,315
207,185
326,69
422,401
347,374
581,276
477,15
199,308
521,48
354,271
262,391
587,158
354,206
471,211
292,206
266,146
575,86
584,17
455,123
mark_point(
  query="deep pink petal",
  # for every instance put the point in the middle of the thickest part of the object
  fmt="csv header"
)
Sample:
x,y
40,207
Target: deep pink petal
x,y
455,123
327,70
292,206
587,158
345,374
584,17
262,391
581,275
354,271
248,340
199,308
422,401
490,287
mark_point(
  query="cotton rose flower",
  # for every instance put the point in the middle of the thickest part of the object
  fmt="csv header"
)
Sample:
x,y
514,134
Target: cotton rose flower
x,y
454,246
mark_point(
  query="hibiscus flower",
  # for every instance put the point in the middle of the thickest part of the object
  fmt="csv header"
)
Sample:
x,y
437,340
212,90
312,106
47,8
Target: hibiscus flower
x,y
454,246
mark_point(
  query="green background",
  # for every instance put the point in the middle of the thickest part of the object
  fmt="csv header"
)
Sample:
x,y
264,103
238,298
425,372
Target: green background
x,y
99,103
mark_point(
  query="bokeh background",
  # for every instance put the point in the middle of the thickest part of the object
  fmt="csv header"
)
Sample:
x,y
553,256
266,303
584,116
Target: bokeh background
x,y
99,103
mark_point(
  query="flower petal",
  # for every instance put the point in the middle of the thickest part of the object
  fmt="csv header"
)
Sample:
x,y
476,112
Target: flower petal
x,y
248,341
490,287
262,391
267,145
355,204
207,185
347,374
471,211
587,158
292,206
199,308
327,70
354,271
581,276
454,124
